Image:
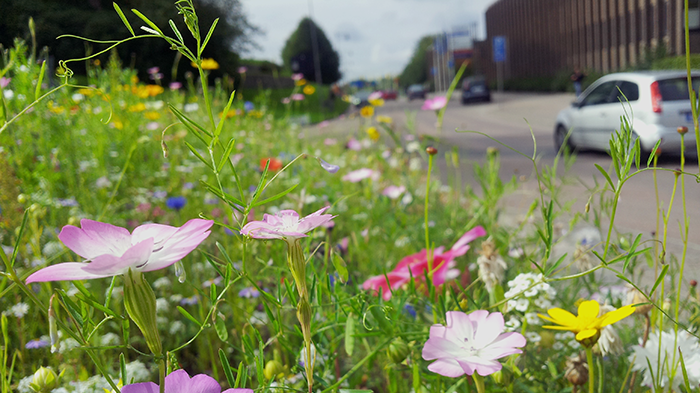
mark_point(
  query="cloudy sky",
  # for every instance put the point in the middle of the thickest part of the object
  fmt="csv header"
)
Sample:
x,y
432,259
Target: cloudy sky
x,y
373,37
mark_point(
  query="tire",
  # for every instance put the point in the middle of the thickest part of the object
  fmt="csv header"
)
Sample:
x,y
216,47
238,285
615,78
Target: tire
x,y
560,134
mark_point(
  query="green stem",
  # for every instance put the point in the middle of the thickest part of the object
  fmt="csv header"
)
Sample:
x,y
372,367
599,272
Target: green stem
x,y
479,382
358,365
429,254
161,375
207,99
591,380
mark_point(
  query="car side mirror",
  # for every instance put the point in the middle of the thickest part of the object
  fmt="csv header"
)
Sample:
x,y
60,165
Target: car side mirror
x,y
577,104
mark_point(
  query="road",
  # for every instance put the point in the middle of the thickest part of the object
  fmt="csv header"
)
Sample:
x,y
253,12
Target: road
x,y
510,118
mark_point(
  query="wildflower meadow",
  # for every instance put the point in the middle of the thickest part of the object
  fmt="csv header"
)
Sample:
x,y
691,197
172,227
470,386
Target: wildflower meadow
x,y
182,238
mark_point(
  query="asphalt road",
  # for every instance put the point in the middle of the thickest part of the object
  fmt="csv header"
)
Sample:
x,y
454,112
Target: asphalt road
x,y
512,118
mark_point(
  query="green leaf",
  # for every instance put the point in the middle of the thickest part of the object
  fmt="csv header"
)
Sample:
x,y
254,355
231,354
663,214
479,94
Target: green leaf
x,y
340,266
555,265
659,279
196,153
19,237
653,152
241,376
259,364
274,198
122,368
225,196
227,368
128,26
72,308
220,126
188,315
350,334
227,154
189,123
607,177
148,21
220,327
37,90
685,372
175,30
630,252
206,40
259,189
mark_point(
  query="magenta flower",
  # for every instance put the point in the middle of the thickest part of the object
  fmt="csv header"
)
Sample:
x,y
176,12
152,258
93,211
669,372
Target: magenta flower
x,y
111,250
4,82
393,192
297,76
470,343
298,97
434,104
361,174
180,382
416,266
286,225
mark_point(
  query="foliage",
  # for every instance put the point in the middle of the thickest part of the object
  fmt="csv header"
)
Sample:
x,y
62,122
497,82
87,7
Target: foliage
x,y
297,53
416,71
96,19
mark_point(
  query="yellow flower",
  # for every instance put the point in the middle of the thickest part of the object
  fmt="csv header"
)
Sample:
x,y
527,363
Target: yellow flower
x,y
367,111
309,90
587,324
118,124
134,79
152,115
300,82
377,102
86,92
57,109
385,119
373,133
207,64
256,114
140,107
231,113
154,90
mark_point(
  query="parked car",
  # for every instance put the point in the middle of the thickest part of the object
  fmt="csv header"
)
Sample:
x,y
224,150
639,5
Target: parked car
x,y
656,103
389,95
474,88
416,91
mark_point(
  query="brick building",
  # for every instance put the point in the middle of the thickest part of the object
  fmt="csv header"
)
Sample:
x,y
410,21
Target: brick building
x,y
544,37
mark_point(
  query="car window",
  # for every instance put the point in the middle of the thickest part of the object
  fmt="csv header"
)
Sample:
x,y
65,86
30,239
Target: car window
x,y
625,91
676,89
600,95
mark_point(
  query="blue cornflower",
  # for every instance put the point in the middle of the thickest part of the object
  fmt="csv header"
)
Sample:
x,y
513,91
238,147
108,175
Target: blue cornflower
x,y
410,310
36,344
249,292
176,203
248,106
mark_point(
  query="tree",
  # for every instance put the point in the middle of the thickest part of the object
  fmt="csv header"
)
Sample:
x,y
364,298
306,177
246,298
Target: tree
x,y
96,19
298,53
416,70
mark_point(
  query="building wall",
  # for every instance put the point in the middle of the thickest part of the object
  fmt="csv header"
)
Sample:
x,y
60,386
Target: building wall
x,y
545,37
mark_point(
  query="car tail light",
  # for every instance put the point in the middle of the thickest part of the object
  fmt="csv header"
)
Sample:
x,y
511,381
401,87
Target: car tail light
x,y
655,98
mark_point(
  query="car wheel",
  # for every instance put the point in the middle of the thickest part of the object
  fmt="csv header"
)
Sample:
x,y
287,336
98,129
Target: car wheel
x,y
560,134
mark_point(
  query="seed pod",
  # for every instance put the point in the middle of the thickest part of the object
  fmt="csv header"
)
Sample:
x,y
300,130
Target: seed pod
x,y
398,350
431,150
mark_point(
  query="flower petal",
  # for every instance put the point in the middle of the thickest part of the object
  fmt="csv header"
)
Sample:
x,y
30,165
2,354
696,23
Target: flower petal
x,y
143,387
459,326
588,310
616,315
181,243
64,272
468,238
446,367
584,334
95,238
158,232
111,265
439,348
488,329
561,317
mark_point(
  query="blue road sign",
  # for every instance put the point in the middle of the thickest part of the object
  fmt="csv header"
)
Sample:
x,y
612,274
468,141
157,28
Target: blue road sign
x,y
499,49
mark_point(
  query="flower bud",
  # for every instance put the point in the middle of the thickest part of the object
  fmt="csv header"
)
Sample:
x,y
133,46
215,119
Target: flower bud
x,y
491,150
398,350
693,283
635,297
44,380
21,198
431,150
53,329
140,304
590,341
273,369
577,370
682,130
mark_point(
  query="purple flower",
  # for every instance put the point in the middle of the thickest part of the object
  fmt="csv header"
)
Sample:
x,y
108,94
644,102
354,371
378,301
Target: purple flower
x,y
410,310
242,70
180,382
112,250
36,344
361,174
176,203
175,85
248,106
153,70
160,194
286,225
434,104
249,292
70,202
189,301
470,343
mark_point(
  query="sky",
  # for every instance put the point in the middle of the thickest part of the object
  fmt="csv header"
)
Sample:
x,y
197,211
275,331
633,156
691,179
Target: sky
x,y
374,38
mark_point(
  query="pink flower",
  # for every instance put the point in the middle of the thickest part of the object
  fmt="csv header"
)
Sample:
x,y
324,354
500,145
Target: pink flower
x,y
323,124
470,343
416,266
286,225
242,70
394,192
180,382
361,174
298,76
354,144
4,82
175,85
286,100
297,97
434,104
112,250
374,96
329,141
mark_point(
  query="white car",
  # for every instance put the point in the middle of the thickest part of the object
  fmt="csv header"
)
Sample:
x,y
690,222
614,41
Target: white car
x,y
655,102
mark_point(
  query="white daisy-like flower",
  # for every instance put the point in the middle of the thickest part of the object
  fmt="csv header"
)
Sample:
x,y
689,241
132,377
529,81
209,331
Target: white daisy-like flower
x,y
669,361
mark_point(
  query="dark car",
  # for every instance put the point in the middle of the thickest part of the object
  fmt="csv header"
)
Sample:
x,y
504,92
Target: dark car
x,y
475,88
416,91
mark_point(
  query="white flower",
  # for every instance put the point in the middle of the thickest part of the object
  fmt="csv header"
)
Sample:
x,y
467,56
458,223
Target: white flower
x,y
137,371
413,146
77,97
163,282
512,324
19,310
532,318
191,107
103,182
176,327
109,339
162,305
522,304
8,94
532,337
669,362
415,164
